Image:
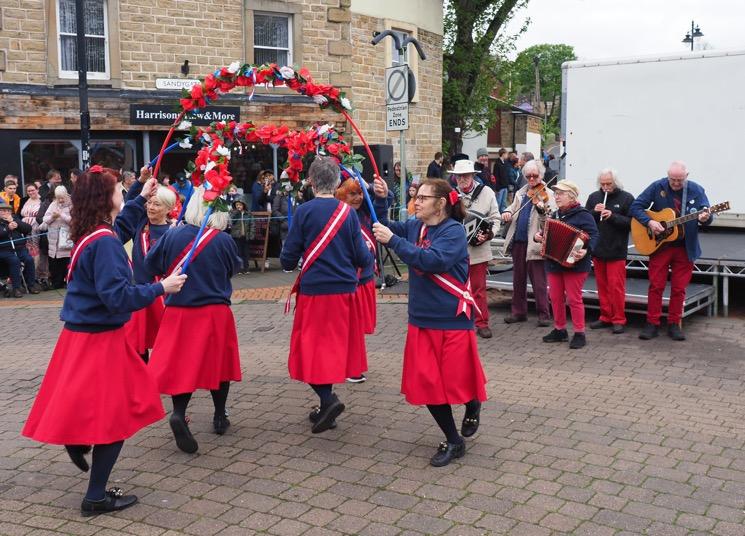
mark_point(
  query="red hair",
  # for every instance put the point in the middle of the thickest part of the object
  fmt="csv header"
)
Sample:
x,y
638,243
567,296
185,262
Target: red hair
x,y
92,202
347,187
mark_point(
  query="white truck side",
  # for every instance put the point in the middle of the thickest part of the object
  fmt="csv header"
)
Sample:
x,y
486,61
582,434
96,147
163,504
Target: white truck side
x,y
639,114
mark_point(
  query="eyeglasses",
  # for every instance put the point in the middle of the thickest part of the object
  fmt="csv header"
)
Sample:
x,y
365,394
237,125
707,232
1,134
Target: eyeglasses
x,y
421,197
531,176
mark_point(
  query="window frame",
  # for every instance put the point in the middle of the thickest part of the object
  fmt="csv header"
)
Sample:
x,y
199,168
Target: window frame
x,y
280,7
413,31
290,35
93,75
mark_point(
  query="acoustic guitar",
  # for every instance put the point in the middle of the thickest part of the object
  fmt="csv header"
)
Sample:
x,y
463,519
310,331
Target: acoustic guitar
x,y
646,242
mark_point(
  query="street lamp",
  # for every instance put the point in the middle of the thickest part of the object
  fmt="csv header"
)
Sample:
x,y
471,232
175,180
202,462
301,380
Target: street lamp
x,y
695,32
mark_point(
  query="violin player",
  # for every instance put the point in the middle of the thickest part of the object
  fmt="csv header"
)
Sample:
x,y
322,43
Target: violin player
x,y
527,212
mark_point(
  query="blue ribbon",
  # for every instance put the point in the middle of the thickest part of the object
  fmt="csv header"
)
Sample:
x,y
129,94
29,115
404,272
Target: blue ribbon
x,y
168,150
354,173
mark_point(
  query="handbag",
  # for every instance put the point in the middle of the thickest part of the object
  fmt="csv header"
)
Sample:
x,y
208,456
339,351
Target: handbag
x,y
63,239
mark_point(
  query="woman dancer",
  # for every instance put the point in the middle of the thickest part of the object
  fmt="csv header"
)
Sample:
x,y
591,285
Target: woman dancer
x,y
441,360
326,234
96,390
197,345
144,220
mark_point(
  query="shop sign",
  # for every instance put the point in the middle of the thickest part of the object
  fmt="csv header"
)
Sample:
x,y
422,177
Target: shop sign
x,y
165,114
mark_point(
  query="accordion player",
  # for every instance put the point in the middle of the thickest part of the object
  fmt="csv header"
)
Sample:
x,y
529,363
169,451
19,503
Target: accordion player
x,y
561,240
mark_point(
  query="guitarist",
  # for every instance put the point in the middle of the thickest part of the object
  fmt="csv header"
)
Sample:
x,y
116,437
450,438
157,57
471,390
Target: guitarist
x,y
685,197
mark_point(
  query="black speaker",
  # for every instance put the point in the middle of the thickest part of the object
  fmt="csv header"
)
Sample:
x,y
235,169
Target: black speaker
x,y
383,155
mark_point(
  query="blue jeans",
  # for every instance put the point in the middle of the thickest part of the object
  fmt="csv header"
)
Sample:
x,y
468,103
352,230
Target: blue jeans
x,y
13,261
502,200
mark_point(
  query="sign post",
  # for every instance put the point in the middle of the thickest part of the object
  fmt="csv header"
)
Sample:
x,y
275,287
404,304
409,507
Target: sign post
x,y
397,118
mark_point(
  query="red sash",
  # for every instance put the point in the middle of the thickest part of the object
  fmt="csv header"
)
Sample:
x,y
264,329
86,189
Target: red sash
x,y
451,285
83,243
318,246
207,237
371,245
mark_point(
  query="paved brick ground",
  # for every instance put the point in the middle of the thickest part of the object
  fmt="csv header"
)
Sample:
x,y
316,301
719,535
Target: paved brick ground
x,y
623,437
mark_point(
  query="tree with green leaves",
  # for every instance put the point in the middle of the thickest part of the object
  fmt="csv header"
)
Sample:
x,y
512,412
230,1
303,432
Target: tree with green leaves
x,y
474,44
520,79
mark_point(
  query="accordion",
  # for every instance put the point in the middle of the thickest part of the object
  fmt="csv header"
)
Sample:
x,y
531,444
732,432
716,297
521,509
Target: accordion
x,y
560,240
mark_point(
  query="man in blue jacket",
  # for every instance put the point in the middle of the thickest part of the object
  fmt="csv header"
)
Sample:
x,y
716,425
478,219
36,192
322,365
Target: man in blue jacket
x,y
685,197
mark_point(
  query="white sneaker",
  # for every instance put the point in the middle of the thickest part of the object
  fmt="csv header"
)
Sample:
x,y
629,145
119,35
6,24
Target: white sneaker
x,y
266,265
358,379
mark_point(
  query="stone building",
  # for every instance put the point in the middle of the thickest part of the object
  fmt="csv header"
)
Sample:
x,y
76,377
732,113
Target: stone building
x,y
141,51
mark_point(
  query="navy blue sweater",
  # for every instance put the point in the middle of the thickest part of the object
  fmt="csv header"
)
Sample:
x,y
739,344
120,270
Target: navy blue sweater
x,y
580,218
445,251
660,195
380,205
209,274
335,270
100,295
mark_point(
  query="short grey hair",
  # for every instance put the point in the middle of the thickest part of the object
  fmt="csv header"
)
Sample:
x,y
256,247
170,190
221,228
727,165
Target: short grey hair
x,y
196,209
535,165
60,191
617,184
166,196
324,175
679,164
129,175
528,156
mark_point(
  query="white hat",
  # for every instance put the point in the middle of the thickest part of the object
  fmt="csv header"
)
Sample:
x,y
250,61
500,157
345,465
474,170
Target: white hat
x,y
463,167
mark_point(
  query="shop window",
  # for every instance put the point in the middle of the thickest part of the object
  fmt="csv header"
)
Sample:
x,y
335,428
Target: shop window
x,y
272,38
114,154
96,39
40,156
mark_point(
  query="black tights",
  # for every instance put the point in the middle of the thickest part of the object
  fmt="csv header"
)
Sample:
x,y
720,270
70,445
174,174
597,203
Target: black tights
x,y
219,399
324,392
443,414
104,458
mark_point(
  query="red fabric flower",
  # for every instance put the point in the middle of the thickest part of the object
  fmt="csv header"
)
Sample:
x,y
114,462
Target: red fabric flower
x,y
96,169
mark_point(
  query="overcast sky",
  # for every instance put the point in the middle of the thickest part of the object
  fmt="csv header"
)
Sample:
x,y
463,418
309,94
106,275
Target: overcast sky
x,y
613,28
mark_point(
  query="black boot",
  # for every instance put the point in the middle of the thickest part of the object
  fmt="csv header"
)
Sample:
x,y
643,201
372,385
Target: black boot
x,y
650,331
556,335
327,415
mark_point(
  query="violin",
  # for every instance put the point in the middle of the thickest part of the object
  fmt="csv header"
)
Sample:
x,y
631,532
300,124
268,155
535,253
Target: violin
x,y
538,194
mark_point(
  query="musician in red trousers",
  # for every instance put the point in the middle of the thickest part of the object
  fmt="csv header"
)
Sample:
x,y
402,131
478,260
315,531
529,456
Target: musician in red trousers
x,y
441,359
565,283
96,390
684,197
327,344
610,206
197,344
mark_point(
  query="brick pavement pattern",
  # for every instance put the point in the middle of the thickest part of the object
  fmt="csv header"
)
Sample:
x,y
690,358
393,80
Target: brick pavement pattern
x,y
623,437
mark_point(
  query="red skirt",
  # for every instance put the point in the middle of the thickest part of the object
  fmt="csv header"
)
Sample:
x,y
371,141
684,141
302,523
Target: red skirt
x,y
365,301
327,344
143,327
96,391
442,366
196,348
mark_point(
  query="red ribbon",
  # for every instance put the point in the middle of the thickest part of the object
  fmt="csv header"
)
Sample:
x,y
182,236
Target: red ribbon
x,y
453,196
95,169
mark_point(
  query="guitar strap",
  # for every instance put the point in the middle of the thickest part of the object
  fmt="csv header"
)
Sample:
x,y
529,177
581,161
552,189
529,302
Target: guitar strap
x,y
684,199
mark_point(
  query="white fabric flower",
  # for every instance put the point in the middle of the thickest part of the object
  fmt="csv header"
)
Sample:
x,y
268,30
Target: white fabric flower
x,y
345,103
184,125
233,67
223,151
210,165
185,143
287,72
207,139
324,129
319,99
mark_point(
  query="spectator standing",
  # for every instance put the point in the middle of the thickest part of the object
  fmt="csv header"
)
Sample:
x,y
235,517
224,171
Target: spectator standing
x,y
10,195
435,168
54,179
263,191
29,210
242,230
484,173
182,186
613,218
57,220
503,174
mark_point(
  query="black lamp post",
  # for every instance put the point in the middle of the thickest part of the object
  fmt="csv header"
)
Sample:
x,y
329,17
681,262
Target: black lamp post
x,y
695,32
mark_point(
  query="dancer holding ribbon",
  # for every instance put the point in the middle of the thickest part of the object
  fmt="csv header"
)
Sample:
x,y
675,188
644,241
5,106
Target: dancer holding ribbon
x,y
326,234
197,344
144,220
96,390
441,360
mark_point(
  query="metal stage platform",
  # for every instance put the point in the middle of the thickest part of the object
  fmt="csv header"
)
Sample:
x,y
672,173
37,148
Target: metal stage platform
x,y
698,296
723,257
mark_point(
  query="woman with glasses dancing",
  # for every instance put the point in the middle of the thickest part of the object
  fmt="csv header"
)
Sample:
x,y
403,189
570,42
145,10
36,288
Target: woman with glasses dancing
x,y
441,360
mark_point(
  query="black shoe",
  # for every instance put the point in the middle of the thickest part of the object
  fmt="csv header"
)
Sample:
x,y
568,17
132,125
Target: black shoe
x,y
513,319
77,455
675,333
313,417
327,415
184,440
115,500
543,323
556,335
220,423
17,293
35,289
447,452
600,324
484,333
578,341
650,331
470,424
618,329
